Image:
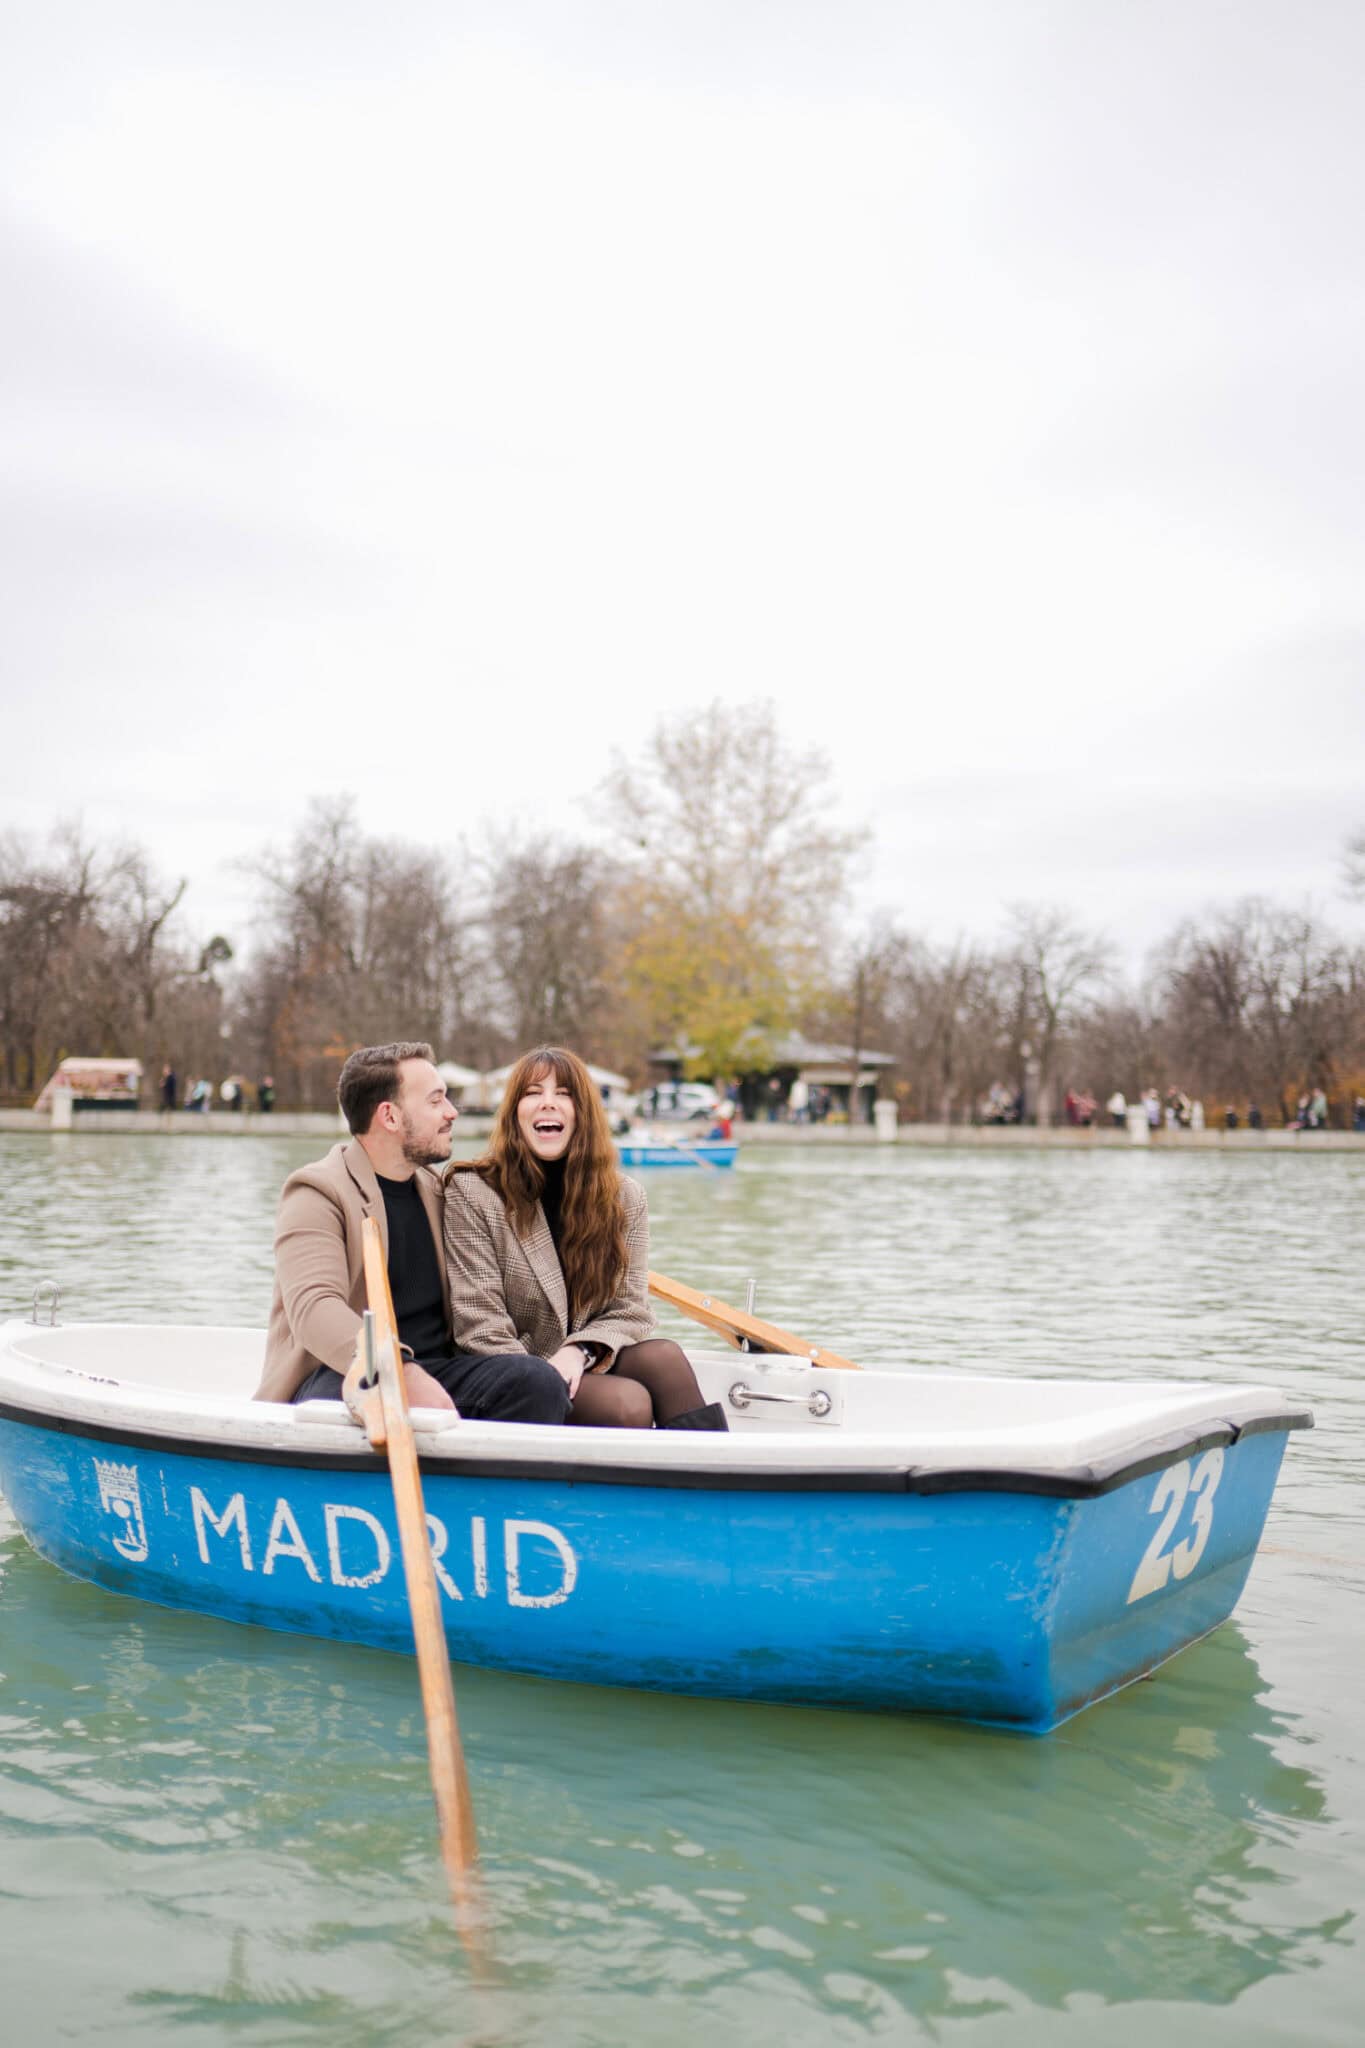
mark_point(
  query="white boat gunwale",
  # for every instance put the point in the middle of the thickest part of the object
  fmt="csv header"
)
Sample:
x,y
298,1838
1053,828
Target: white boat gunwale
x,y
72,1400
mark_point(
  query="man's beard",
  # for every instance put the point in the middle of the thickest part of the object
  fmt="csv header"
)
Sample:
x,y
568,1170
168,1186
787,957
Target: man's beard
x,y
429,1154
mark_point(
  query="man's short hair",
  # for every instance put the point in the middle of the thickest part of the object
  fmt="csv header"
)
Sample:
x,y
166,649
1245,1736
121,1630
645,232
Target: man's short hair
x,y
370,1076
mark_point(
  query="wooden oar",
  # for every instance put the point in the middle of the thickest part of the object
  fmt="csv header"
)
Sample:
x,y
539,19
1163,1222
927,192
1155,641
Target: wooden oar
x,y
652,1137
691,1152
744,1331
378,1399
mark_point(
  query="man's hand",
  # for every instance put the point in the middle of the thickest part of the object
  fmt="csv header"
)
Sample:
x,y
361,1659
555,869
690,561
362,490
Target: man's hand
x,y
422,1390
568,1363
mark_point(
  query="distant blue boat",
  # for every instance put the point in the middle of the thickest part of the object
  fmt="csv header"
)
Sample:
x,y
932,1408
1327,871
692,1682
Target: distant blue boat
x,y
997,1549
679,1152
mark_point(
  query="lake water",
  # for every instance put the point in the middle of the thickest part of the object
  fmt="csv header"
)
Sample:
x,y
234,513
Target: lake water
x,y
217,1835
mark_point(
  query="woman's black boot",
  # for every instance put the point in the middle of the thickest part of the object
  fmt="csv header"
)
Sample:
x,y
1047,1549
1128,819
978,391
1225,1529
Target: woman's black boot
x,y
712,1416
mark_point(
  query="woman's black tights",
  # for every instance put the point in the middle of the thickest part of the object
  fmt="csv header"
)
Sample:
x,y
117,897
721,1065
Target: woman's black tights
x,y
650,1383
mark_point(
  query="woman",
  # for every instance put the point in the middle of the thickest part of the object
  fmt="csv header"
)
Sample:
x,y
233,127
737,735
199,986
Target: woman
x,y
548,1251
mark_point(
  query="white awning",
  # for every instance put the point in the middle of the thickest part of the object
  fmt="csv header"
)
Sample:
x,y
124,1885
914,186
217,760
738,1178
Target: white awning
x,y
835,1076
93,1077
491,1085
456,1076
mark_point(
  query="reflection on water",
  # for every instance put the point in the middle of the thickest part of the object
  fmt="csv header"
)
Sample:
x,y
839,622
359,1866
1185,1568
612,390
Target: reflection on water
x,y
241,1804
242,1823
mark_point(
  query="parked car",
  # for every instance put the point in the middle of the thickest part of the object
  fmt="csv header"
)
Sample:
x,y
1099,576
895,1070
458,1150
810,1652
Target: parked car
x,y
678,1101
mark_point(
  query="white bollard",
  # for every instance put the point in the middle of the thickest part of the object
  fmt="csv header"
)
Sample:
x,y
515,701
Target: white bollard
x,y
886,1116
1139,1130
62,1101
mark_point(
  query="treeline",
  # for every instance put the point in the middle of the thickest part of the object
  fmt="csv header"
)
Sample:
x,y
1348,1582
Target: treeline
x,y
1254,1003
709,909
91,961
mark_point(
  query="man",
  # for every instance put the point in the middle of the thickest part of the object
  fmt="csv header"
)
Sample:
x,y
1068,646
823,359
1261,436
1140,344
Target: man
x,y
396,1106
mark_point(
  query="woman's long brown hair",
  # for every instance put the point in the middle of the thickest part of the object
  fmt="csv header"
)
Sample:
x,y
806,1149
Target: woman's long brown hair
x,y
592,1239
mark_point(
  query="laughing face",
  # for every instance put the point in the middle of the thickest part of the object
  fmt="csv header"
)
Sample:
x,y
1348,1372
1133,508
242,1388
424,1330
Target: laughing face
x,y
546,1116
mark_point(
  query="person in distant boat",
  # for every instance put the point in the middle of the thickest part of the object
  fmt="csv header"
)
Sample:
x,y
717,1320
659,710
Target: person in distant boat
x,y
547,1253
401,1117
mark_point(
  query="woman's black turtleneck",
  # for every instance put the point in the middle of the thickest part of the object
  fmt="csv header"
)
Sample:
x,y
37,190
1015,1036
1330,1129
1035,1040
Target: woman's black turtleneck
x,y
552,1202
552,1196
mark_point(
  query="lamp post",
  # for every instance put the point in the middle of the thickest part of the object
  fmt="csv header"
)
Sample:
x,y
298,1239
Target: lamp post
x,y
1032,1079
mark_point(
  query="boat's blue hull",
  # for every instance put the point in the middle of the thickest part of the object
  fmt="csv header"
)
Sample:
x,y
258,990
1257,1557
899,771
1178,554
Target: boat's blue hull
x,y
702,1153
996,1605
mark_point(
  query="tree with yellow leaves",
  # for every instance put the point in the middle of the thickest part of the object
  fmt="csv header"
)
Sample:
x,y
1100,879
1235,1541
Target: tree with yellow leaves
x,y
736,868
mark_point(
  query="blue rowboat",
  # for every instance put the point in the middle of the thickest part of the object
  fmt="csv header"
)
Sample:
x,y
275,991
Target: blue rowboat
x,y
675,1152
1003,1550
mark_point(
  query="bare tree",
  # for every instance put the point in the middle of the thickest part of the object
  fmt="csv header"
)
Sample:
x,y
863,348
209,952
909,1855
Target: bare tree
x,y
548,943
953,1039
90,959
1061,966
1263,1002
1123,1042
139,907
49,952
720,811
1353,865
362,940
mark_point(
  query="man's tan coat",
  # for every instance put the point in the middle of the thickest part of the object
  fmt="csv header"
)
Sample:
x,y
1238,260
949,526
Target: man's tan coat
x,y
510,1296
319,1269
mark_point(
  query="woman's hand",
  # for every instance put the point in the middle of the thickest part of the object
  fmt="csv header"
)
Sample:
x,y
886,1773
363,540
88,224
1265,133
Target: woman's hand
x,y
568,1363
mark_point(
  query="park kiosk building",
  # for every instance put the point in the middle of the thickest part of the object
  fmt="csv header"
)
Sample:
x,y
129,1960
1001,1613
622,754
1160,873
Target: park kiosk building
x,y
785,1060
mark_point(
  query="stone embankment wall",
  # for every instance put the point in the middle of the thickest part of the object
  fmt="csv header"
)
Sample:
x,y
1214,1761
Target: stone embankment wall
x,y
1006,1137
1062,1138
180,1123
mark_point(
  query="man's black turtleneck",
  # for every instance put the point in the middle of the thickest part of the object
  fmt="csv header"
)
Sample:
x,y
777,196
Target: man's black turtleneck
x,y
415,1273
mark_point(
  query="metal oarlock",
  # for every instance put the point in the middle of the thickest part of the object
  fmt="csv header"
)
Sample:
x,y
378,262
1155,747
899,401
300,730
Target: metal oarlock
x,y
46,1294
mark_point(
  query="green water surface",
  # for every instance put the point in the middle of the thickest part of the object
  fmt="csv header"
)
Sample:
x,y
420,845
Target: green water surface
x,y
211,1834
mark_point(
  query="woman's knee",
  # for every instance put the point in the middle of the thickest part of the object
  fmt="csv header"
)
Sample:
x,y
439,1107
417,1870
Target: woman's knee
x,y
664,1368
637,1410
605,1402
655,1354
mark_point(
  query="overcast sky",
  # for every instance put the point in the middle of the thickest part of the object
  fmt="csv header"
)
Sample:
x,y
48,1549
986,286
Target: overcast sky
x,y
423,399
